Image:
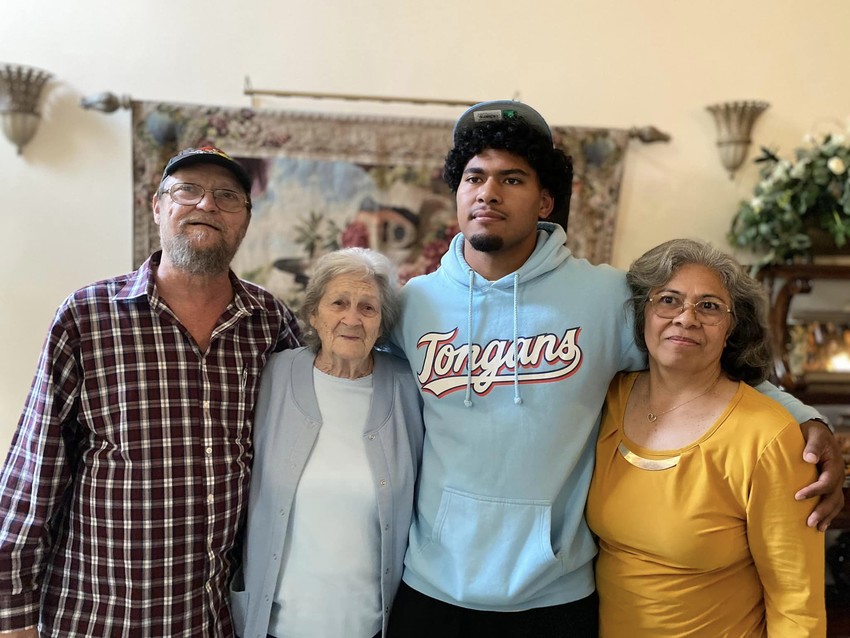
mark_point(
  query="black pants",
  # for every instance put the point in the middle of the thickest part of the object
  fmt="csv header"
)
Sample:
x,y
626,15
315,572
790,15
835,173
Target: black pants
x,y
377,635
416,615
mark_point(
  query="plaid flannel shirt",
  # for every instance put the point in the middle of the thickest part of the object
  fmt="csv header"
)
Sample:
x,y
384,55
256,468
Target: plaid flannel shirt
x,y
127,479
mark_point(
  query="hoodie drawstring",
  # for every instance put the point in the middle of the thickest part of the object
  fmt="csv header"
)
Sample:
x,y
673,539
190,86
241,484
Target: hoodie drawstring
x,y
517,398
467,401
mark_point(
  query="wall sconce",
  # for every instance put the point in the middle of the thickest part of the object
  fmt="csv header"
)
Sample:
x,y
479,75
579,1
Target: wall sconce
x,y
20,90
734,122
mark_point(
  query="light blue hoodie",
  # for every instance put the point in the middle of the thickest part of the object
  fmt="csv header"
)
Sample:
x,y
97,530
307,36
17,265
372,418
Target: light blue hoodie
x,y
508,452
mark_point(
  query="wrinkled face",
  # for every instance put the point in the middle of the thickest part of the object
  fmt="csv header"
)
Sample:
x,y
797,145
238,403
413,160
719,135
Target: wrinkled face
x,y
348,319
684,343
201,238
499,200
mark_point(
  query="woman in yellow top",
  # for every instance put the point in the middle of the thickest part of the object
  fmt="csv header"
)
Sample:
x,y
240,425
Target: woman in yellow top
x,y
692,495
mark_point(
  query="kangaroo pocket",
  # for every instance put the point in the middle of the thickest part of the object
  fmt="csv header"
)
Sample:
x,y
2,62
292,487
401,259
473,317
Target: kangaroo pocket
x,y
490,551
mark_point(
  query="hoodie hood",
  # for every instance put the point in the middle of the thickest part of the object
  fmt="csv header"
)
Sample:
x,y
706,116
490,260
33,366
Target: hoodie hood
x,y
549,253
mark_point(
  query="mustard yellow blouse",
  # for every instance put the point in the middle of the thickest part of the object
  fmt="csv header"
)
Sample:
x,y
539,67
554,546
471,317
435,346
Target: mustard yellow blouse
x,y
715,544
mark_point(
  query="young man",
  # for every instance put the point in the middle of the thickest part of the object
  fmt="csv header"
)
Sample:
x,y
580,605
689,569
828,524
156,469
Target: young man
x,y
514,342
128,475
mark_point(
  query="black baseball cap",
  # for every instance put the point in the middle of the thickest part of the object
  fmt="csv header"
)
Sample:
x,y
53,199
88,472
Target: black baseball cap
x,y
496,110
208,155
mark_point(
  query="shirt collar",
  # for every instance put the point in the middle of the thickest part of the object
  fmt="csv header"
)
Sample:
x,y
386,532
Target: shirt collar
x,y
141,283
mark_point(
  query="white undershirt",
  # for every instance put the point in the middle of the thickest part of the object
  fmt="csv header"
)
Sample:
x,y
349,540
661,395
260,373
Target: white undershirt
x,y
330,580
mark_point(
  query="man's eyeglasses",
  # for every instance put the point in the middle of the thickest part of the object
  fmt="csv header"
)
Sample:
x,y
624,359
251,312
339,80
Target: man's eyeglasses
x,y
670,306
190,194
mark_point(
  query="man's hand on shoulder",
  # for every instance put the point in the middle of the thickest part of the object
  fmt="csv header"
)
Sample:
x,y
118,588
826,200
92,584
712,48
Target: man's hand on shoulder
x,y
822,449
30,632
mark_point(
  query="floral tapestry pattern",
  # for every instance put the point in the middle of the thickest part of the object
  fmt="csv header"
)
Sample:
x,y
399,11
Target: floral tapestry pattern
x,y
322,182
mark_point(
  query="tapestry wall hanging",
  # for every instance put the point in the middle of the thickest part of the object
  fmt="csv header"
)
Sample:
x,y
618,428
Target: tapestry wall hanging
x,y
322,182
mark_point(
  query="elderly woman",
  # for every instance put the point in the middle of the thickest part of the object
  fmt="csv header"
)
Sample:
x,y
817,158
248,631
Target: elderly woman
x,y
691,497
338,438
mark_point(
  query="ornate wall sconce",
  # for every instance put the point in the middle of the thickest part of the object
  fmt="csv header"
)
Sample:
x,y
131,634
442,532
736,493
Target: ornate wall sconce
x,y
20,90
734,122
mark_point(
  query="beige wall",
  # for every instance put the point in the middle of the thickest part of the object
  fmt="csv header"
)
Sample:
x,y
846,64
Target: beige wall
x,y
67,204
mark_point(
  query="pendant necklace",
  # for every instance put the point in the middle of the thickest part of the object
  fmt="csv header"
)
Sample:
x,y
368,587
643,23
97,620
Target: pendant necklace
x,y
652,417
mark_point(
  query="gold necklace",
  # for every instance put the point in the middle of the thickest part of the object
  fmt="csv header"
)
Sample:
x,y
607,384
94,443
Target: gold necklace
x,y
652,417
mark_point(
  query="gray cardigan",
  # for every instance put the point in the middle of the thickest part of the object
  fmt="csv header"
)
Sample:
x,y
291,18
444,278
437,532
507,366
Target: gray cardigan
x,y
286,427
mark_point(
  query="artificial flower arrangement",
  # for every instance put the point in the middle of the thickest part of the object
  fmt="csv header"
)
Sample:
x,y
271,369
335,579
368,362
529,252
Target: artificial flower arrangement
x,y
795,199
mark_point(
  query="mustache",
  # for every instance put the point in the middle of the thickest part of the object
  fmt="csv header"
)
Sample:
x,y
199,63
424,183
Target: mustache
x,y
478,210
199,220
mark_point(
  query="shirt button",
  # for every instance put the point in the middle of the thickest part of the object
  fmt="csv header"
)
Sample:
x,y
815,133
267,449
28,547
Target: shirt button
x,y
206,405
283,512
209,451
210,498
383,483
371,437
387,526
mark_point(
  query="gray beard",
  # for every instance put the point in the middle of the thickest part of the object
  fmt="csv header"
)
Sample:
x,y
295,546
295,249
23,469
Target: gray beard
x,y
486,243
195,261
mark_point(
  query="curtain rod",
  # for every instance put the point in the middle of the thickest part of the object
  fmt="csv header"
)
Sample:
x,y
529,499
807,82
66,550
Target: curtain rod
x,y
250,90
108,102
646,134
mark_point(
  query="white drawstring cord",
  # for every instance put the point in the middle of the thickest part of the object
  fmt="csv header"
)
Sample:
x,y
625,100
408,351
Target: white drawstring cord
x,y
468,399
517,397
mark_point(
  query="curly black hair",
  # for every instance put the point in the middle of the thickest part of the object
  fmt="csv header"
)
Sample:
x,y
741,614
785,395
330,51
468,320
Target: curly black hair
x,y
554,168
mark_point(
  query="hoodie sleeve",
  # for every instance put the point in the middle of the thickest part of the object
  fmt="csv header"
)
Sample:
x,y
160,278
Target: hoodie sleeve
x,y
631,357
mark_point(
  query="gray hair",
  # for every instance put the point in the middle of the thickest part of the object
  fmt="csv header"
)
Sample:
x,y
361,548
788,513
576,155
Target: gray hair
x,y
368,264
747,355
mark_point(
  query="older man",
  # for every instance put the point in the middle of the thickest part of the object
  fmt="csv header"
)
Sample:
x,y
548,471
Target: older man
x,y
127,478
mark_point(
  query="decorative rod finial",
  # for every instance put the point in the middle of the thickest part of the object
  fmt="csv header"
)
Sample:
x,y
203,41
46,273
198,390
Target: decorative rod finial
x,y
106,102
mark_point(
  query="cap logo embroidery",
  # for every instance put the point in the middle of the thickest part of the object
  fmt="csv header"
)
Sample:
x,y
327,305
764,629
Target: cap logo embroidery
x,y
488,116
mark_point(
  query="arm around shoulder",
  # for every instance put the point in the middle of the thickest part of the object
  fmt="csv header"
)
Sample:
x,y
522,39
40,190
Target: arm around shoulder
x,y
821,450
799,410
788,555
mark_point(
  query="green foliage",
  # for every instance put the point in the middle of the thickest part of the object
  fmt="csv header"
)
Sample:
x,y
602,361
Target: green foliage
x,y
794,197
